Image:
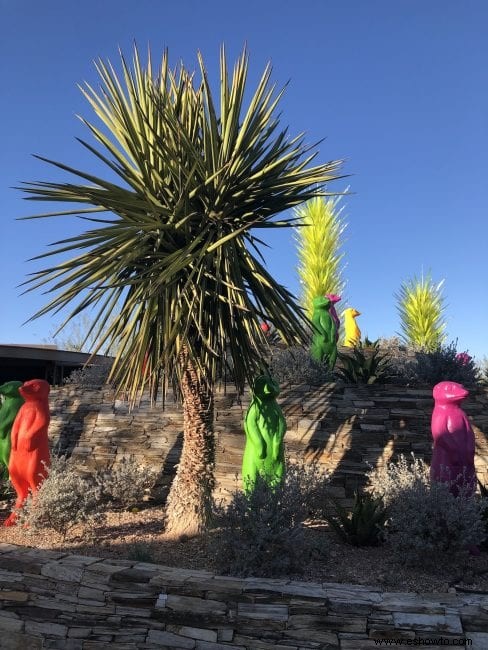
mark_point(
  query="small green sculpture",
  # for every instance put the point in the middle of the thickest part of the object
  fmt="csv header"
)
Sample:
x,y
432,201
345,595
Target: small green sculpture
x,y
324,341
265,428
12,400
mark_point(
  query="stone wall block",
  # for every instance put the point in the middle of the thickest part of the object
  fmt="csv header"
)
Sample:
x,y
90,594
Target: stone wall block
x,y
163,638
20,641
151,606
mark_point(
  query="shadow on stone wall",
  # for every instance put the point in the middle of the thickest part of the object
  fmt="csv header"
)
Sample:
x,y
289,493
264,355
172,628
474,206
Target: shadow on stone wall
x,y
346,428
168,471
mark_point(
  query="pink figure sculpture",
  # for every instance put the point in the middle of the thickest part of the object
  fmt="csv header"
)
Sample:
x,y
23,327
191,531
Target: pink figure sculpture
x,y
333,297
454,443
29,455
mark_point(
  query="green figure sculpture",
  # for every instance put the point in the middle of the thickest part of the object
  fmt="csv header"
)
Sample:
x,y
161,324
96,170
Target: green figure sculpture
x,y
11,403
324,341
265,428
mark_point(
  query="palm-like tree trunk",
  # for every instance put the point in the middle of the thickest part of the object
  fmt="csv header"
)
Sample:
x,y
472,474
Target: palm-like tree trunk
x,y
189,499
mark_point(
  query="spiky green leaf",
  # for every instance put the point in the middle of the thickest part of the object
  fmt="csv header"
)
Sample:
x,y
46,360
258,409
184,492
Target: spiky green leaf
x,y
169,258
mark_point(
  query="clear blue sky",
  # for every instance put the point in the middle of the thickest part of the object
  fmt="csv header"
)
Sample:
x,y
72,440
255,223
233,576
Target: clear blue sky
x,y
397,89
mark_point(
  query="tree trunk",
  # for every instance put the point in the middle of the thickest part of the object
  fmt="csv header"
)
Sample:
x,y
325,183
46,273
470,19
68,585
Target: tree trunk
x,y
189,500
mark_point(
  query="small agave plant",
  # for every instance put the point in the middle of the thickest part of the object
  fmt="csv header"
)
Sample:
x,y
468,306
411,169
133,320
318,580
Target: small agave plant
x,y
361,367
364,525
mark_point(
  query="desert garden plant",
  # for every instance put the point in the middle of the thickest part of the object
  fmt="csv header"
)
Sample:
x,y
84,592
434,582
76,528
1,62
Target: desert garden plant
x,y
365,365
364,524
296,366
427,524
6,489
126,484
67,497
171,259
64,499
483,489
141,552
420,303
444,364
261,531
319,241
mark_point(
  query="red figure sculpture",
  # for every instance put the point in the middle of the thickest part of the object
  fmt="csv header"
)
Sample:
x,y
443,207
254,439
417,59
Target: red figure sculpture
x,y
29,455
454,443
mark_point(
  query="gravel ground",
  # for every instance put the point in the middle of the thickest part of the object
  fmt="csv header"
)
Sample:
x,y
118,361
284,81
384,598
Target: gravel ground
x,y
139,535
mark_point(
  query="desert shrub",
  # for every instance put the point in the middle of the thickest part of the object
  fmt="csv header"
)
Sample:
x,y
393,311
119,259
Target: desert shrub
x,y
312,481
411,365
427,524
64,499
401,356
445,364
141,552
483,372
261,532
389,481
126,483
93,375
484,503
363,366
6,489
296,366
364,525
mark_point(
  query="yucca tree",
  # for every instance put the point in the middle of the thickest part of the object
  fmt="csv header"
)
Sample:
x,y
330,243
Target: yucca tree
x,y
421,307
319,242
173,262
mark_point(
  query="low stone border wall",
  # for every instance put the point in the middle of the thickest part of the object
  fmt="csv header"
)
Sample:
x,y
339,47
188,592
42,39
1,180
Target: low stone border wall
x,y
69,602
346,428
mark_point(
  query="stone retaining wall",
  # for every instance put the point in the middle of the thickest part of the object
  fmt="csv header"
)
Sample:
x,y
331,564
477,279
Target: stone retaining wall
x,y
346,428
68,602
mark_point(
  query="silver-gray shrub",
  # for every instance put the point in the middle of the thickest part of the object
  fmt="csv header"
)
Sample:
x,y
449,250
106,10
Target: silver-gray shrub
x,y
414,366
402,360
442,364
427,524
483,371
262,533
126,484
90,376
294,365
392,480
67,498
64,499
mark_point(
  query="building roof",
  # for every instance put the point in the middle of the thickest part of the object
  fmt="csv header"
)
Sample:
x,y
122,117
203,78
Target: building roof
x,y
31,361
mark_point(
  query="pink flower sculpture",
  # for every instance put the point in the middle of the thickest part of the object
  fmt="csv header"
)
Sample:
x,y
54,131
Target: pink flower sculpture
x,y
333,297
463,358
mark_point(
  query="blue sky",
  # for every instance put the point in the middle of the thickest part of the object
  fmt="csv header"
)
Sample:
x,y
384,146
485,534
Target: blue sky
x,y
399,90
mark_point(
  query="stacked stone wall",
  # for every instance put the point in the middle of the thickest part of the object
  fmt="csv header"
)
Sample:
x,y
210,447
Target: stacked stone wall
x,y
347,429
69,602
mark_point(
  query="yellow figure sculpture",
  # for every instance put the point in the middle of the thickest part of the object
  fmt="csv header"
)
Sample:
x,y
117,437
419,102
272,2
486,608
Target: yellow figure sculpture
x,y
352,331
